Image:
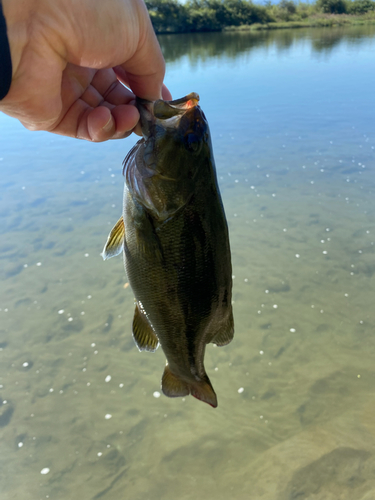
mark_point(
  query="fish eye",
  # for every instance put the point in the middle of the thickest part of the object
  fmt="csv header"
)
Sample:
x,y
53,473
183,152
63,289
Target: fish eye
x,y
192,142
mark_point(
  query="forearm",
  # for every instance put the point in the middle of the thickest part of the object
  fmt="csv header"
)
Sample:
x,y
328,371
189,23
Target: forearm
x,y
14,33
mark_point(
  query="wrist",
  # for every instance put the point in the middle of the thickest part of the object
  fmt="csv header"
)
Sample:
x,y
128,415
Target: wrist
x,y
17,14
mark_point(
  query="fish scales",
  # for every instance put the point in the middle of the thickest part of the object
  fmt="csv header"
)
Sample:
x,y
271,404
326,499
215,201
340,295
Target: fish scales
x,y
174,237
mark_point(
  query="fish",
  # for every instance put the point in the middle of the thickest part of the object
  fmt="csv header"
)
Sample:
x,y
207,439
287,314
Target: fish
x,y
174,238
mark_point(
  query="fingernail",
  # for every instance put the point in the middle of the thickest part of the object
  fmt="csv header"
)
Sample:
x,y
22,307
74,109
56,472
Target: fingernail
x,y
109,125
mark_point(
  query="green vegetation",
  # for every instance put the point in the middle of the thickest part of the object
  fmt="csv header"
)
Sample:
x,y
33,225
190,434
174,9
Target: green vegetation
x,y
170,16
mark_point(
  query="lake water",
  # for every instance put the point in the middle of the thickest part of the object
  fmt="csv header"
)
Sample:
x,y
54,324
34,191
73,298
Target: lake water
x,y
293,128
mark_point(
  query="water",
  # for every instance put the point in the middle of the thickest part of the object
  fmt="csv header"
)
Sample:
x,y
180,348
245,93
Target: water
x,y
291,115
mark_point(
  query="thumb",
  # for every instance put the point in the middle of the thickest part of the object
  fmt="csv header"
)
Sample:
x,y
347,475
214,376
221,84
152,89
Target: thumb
x,y
144,72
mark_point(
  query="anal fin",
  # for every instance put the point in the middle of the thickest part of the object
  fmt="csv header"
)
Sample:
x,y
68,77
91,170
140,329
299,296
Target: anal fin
x,y
172,386
143,333
115,240
225,334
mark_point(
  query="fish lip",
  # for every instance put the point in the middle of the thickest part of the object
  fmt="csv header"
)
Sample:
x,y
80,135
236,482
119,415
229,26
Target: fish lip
x,y
182,103
143,105
151,111
184,100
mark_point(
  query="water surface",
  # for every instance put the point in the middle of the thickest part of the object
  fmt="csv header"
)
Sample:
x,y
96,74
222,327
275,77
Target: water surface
x,y
292,120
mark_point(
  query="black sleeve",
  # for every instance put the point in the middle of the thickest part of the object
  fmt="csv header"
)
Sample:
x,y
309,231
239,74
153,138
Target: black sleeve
x,y
5,60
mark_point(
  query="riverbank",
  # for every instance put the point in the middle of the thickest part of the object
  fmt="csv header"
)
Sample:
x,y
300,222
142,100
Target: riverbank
x,y
318,21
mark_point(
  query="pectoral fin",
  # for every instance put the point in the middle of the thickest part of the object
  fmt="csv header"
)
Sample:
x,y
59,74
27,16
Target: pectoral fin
x,y
148,244
143,334
146,238
115,241
225,333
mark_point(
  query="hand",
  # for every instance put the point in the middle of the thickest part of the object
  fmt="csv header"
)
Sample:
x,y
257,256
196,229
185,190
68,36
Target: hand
x,y
69,57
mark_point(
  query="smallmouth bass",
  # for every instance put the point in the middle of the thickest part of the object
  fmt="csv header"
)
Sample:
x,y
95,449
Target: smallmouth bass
x,y
174,238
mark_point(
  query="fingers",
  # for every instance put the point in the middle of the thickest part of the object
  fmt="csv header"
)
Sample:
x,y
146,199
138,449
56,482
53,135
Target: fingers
x,y
96,106
115,123
98,124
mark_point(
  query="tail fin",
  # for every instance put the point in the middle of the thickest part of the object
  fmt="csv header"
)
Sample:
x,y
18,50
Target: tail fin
x,y
204,392
173,387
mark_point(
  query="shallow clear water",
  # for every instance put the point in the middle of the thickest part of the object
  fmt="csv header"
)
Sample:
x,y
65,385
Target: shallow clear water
x,y
292,120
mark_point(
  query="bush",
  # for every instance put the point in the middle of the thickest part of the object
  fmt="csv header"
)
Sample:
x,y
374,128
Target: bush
x,y
229,12
360,6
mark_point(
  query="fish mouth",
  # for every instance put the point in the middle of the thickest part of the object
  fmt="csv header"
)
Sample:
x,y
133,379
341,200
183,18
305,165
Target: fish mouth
x,y
150,111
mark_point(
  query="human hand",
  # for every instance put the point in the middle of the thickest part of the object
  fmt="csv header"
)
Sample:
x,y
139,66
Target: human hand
x,y
68,57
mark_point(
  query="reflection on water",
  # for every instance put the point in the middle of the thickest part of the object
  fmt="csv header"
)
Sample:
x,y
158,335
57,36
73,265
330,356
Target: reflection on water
x,y
80,416
202,46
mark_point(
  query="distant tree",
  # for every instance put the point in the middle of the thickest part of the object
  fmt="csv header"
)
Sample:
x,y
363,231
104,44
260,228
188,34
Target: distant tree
x,y
167,15
289,6
332,6
285,10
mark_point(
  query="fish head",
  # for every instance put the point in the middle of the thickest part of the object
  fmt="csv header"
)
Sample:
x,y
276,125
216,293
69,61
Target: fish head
x,y
176,147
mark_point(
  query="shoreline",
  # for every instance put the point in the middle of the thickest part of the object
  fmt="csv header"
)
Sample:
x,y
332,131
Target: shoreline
x,y
316,21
